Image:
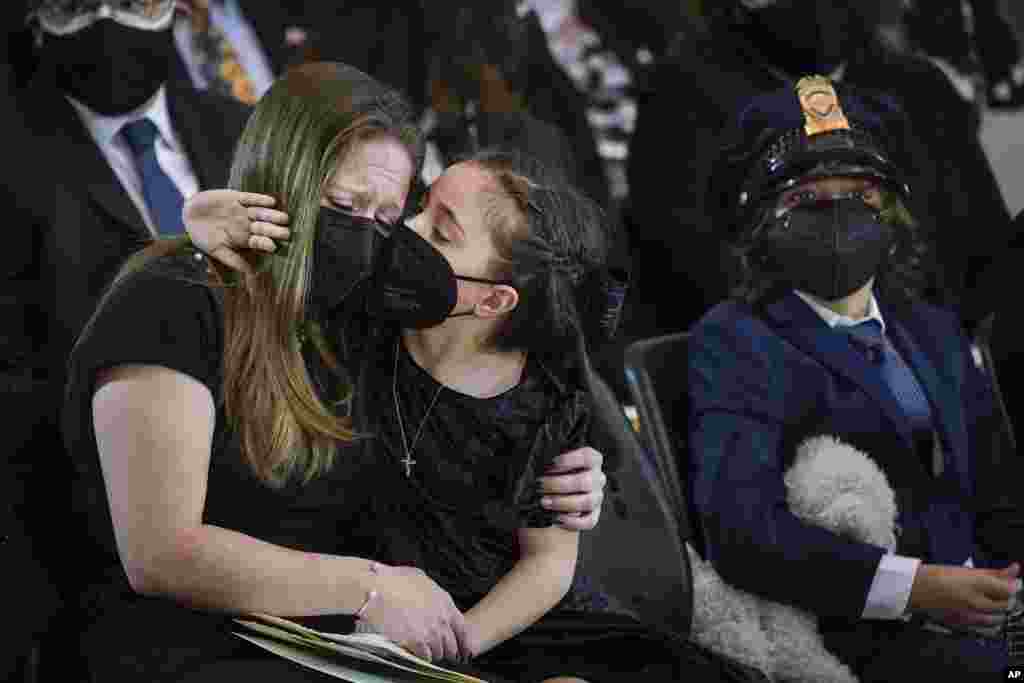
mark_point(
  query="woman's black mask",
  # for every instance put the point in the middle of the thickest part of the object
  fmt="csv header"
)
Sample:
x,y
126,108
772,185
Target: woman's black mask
x,y
345,251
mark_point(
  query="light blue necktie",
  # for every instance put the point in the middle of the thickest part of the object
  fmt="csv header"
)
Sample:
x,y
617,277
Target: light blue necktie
x,y
162,196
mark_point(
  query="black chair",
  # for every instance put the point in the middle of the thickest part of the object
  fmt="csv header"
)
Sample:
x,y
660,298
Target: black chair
x,y
999,521
983,346
636,552
656,376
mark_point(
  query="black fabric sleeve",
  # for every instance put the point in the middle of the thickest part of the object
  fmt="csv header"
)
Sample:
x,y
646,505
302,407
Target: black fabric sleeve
x,y
154,319
566,431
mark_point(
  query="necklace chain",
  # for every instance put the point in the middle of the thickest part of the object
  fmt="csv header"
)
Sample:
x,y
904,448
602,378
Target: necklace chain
x,y
409,448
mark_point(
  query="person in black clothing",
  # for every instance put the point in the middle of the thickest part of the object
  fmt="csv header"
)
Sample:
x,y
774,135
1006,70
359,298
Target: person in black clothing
x,y
224,433
975,39
80,209
752,48
492,60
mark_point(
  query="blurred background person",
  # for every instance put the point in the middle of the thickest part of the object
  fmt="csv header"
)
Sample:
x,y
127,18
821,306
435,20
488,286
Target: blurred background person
x,y
495,58
752,47
237,48
32,594
385,39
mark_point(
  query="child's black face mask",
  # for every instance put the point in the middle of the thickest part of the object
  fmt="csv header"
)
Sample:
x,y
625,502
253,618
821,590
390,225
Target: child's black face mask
x,y
414,286
829,249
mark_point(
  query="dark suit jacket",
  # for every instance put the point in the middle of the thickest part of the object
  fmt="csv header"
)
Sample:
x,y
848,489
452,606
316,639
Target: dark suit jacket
x,y
64,246
708,80
762,383
29,593
386,40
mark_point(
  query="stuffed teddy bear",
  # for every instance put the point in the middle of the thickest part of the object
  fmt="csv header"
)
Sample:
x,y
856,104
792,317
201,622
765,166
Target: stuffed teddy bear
x,y
832,485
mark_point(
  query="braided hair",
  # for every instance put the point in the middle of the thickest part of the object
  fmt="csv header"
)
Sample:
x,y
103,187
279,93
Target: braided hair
x,y
549,248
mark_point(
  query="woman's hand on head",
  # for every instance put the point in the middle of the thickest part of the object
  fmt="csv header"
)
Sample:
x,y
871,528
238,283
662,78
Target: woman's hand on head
x,y
220,222
574,488
416,613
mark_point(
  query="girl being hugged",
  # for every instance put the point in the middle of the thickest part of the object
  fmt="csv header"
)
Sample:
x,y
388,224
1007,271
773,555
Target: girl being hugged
x,y
470,371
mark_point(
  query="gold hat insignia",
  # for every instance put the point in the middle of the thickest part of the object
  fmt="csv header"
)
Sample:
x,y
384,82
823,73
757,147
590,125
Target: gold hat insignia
x,y
820,103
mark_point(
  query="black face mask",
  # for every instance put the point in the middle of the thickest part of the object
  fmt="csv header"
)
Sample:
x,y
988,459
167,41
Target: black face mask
x,y
345,250
415,286
829,249
111,68
807,36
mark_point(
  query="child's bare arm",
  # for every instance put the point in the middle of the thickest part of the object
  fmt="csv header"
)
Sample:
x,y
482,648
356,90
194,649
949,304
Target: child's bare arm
x,y
541,577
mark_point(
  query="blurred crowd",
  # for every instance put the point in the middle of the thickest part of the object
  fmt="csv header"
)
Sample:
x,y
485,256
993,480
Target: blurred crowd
x,y
629,99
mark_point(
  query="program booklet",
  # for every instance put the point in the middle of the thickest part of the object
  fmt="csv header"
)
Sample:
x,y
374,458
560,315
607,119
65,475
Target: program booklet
x,y
354,657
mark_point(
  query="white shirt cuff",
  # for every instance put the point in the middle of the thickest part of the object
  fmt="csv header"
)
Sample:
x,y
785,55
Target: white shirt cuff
x,y
890,589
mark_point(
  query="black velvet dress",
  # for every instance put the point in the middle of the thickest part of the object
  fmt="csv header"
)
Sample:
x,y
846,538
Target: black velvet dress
x,y
455,516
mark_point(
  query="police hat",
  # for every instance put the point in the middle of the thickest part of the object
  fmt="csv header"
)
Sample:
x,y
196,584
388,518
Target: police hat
x,y
790,136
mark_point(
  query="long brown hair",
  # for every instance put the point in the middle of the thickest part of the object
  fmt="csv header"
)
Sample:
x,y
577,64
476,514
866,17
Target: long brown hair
x,y
292,144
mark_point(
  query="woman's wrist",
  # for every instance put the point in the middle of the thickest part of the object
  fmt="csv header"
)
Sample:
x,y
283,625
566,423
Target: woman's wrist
x,y
371,591
354,578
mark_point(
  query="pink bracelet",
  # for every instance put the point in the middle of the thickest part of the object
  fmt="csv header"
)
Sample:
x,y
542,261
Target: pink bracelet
x,y
369,596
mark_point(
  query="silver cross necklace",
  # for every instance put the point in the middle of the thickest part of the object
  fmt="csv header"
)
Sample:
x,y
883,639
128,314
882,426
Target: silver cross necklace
x,y
409,448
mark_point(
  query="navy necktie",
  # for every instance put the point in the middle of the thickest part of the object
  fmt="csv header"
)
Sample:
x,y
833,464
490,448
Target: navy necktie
x,y
162,196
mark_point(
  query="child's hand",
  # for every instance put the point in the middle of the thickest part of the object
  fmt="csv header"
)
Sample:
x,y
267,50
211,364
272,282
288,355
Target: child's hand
x,y
964,596
223,221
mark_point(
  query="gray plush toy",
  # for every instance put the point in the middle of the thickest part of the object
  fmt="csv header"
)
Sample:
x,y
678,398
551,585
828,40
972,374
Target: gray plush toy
x,y
832,485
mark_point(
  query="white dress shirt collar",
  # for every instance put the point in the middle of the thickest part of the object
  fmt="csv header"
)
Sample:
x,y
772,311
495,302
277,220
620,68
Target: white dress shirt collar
x,y
105,128
833,319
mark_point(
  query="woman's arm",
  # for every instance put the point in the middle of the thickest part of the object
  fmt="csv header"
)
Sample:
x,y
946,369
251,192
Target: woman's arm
x,y
541,577
573,488
154,429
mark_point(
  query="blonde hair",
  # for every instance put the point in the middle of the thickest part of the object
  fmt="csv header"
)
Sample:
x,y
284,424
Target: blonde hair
x,y
293,142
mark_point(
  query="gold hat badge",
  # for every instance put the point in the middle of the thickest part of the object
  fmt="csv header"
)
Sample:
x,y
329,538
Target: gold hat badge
x,y
822,111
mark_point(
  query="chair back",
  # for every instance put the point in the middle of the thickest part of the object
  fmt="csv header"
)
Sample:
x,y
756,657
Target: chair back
x,y
983,346
656,376
636,552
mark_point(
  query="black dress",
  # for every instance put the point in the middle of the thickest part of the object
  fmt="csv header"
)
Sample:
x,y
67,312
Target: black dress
x,y
455,516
